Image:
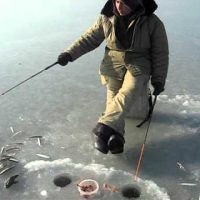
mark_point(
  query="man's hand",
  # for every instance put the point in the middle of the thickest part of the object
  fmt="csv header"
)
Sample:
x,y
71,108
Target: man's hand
x,y
158,88
64,58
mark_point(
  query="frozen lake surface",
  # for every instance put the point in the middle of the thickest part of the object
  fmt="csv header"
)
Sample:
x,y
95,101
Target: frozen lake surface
x,y
63,104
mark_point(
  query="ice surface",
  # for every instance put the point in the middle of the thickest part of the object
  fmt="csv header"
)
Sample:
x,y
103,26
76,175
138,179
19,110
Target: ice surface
x,y
102,174
63,104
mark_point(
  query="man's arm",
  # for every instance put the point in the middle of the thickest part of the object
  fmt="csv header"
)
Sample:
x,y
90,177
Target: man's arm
x,y
160,53
93,37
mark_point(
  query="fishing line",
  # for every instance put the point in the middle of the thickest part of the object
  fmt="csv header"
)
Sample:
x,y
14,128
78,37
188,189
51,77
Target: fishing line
x,y
29,78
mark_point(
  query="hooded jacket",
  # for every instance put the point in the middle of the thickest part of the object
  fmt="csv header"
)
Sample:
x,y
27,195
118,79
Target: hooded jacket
x,y
148,51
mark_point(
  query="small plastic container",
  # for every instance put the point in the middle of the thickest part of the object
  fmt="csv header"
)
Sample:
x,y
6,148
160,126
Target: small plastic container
x,y
88,188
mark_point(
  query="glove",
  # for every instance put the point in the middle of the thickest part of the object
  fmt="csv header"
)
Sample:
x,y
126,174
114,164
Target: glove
x,y
158,88
64,58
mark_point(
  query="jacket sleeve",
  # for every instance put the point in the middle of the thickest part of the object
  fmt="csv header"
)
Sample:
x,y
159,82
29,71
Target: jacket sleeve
x,y
90,40
159,52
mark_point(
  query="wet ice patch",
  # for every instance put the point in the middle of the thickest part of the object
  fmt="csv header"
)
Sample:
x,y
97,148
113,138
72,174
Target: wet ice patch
x,y
102,174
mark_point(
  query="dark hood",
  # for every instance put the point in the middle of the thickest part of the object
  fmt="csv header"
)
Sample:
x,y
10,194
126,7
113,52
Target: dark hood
x,y
149,7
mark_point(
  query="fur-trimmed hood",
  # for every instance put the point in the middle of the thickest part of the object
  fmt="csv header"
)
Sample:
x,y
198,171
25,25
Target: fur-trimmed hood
x,y
149,6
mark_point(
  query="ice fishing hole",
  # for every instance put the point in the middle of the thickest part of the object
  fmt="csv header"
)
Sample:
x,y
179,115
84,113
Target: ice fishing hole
x,y
131,191
62,180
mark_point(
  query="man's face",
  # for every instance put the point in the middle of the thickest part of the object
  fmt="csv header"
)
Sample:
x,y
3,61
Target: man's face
x,y
122,8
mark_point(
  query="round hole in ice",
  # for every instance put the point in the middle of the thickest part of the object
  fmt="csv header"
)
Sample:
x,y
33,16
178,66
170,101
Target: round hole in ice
x,y
62,180
131,191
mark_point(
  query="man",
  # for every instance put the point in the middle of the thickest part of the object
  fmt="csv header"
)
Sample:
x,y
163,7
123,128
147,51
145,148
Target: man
x,y
136,51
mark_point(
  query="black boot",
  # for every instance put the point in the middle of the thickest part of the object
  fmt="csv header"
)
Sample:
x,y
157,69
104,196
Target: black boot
x,y
116,143
101,145
102,135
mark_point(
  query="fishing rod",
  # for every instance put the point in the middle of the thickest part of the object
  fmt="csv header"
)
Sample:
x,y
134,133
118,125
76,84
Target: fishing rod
x,y
145,139
46,68
133,190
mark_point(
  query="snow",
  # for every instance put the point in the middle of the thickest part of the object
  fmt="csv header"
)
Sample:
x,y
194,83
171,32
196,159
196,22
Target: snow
x,y
150,189
190,101
44,193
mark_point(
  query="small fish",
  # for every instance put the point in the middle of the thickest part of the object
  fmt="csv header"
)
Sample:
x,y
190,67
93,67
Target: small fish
x,y
6,169
16,133
2,165
14,144
11,154
13,149
4,158
18,143
8,158
36,136
43,156
39,141
110,187
12,130
2,150
181,166
14,160
188,184
11,181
